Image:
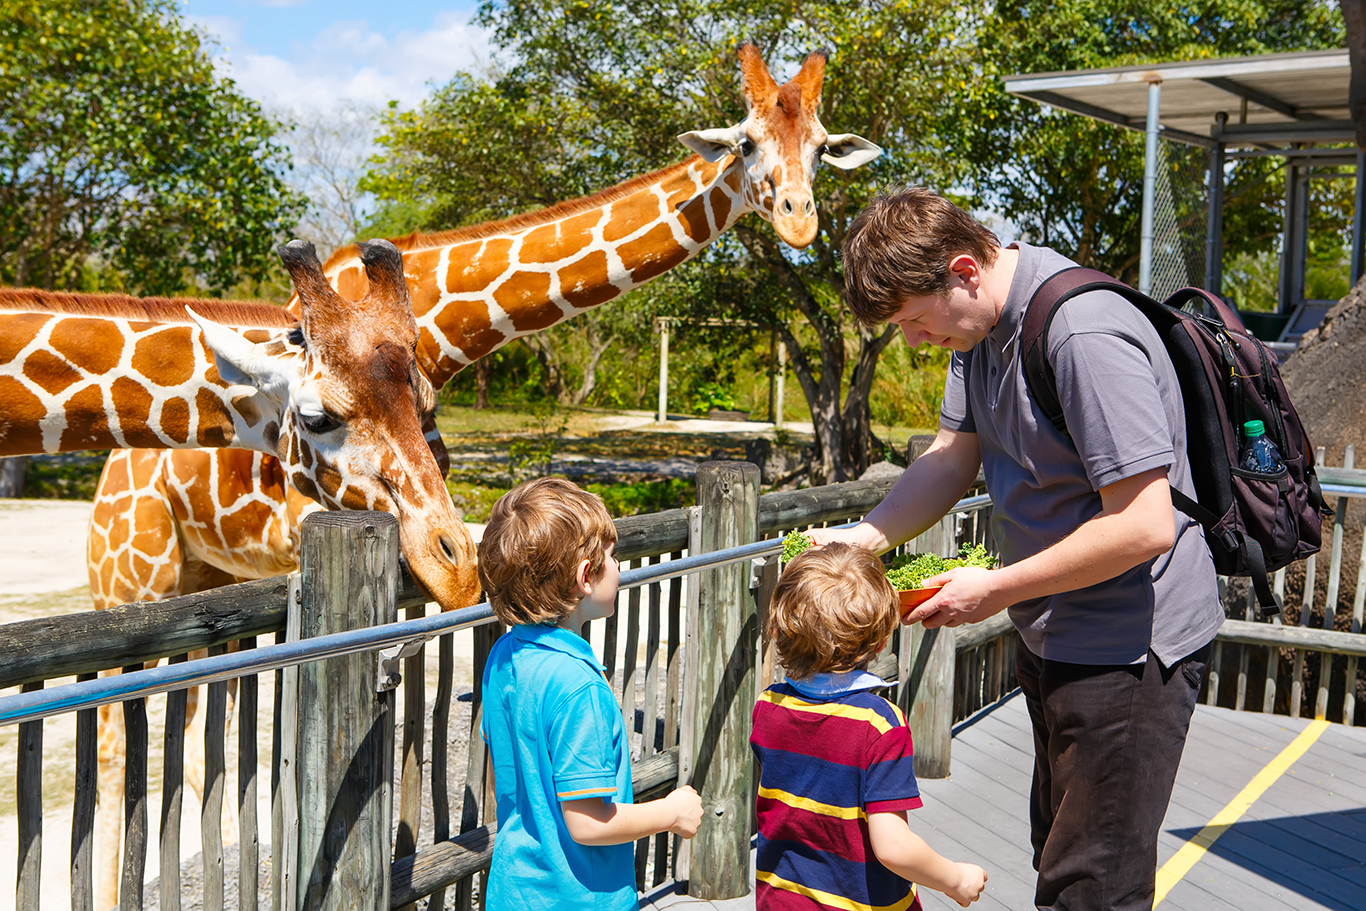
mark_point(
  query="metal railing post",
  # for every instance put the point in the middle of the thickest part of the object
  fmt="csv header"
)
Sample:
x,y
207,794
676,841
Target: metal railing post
x,y
350,572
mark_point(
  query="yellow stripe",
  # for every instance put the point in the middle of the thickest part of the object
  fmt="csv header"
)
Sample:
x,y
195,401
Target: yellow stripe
x,y
832,709
1191,852
829,898
812,806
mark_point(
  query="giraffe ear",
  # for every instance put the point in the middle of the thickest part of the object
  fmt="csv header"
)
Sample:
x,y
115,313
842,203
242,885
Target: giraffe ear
x,y
713,145
847,150
244,366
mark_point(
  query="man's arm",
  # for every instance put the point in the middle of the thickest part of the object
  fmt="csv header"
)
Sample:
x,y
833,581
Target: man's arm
x,y
926,490
1135,525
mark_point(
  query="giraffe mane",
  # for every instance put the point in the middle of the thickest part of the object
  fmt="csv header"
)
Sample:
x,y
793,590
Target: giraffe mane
x,y
146,309
419,241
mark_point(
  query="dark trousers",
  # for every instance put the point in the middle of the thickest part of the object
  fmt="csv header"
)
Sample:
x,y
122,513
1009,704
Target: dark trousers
x,y
1107,743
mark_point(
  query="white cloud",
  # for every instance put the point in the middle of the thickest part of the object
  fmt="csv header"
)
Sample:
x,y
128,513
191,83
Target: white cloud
x,y
349,62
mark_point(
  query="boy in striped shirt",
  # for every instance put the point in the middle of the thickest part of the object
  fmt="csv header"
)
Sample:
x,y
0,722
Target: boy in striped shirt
x,y
836,765
561,754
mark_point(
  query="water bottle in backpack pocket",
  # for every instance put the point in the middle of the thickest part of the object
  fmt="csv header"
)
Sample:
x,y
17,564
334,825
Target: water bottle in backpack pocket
x,y
1270,506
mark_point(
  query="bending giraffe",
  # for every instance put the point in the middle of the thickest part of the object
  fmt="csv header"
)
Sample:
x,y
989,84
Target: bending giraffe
x,y
474,290
333,395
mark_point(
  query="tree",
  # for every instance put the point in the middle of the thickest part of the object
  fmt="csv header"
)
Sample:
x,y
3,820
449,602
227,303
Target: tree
x,y
598,93
1076,184
124,161
331,150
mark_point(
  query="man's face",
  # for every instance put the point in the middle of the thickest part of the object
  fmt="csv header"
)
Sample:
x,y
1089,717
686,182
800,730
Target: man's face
x,y
957,319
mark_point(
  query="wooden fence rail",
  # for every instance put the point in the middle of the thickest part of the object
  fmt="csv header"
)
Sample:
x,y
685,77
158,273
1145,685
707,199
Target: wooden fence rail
x,y
657,669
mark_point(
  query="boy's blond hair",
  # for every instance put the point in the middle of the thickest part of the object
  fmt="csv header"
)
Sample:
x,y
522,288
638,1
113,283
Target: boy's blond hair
x,y
832,610
536,536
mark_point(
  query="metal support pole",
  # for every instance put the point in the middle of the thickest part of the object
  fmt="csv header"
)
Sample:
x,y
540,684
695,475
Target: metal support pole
x,y
1214,231
782,376
1289,241
1358,219
1145,255
663,325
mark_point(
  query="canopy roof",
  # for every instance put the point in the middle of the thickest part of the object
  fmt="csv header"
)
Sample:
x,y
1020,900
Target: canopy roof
x,y
1271,99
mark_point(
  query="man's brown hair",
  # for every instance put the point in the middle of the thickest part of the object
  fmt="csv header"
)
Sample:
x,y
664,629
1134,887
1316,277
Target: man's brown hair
x,y
900,246
536,536
832,610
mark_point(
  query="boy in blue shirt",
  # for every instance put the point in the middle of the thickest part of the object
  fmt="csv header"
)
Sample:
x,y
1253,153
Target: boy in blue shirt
x,y
561,754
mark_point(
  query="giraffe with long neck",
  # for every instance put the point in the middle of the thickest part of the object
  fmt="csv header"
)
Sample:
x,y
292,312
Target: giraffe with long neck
x,y
332,393
228,515
478,288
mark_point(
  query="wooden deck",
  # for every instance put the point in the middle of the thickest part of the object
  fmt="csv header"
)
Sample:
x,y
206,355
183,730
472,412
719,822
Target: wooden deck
x,y
1301,844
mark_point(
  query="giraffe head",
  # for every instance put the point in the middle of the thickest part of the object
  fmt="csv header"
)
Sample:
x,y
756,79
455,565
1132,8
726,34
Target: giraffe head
x,y
349,408
780,142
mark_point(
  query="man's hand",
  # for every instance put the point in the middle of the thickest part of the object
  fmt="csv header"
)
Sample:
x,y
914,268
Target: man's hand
x,y
968,596
860,535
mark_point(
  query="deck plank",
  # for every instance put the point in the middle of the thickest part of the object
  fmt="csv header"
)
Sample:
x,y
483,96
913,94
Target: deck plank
x,y
1300,847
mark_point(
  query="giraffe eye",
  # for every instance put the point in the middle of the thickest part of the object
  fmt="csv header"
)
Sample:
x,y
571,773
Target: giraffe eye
x,y
319,423
746,147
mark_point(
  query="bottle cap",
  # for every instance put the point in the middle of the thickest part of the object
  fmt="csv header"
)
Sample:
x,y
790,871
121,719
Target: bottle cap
x,y
1254,428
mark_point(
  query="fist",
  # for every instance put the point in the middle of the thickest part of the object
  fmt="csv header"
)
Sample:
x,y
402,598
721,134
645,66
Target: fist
x,y
686,805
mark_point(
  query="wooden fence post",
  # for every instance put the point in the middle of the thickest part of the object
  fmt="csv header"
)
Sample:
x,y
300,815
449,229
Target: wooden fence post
x,y
928,659
727,636
350,573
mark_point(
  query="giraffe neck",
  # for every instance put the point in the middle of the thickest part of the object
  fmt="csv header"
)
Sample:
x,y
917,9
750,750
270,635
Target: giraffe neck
x,y
89,372
479,288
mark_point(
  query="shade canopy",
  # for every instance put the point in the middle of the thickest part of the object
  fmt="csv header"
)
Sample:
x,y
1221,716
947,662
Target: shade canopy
x,y
1271,100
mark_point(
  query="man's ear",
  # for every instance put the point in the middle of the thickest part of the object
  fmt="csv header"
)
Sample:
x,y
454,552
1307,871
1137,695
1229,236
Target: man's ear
x,y
967,270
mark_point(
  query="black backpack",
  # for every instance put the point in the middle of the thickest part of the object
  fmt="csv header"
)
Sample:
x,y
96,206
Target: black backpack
x,y
1254,523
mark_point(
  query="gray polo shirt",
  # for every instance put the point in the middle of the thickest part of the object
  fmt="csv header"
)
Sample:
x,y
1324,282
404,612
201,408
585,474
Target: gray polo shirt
x,y
1123,407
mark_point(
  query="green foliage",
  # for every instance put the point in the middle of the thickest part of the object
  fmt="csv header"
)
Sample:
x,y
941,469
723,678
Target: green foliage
x,y
530,456
712,396
908,571
1076,184
641,497
67,476
794,543
120,146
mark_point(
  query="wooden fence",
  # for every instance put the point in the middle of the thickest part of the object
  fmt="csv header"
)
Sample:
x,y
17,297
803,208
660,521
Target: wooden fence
x,y
685,696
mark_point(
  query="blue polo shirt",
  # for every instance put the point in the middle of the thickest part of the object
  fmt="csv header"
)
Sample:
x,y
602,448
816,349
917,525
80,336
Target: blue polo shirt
x,y
555,733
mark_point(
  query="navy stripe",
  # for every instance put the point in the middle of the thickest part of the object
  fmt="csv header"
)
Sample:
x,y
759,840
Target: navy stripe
x,y
869,883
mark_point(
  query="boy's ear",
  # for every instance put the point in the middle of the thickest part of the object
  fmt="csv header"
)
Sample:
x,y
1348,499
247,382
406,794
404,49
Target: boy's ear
x,y
581,580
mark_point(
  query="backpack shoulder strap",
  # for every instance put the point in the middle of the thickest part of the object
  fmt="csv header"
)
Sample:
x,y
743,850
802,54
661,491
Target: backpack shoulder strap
x,y
1043,306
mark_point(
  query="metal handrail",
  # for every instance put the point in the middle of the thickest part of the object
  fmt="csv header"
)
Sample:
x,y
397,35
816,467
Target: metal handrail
x,y
38,704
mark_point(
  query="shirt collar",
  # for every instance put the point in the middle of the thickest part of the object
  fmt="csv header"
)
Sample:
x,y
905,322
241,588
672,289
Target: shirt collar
x,y
557,639
1021,286
824,685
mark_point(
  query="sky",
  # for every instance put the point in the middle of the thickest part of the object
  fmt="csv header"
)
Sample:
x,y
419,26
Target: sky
x,y
319,54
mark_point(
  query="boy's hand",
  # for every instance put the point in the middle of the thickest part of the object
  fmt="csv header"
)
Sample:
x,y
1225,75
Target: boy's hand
x,y
687,807
972,881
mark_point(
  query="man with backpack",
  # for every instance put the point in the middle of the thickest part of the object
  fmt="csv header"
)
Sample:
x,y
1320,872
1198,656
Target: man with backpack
x,y
1112,588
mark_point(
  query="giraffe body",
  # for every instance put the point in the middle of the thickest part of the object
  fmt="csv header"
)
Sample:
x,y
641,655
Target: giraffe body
x,y
476,289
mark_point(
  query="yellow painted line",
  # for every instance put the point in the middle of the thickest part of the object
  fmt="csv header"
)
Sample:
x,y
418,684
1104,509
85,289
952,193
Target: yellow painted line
x,y
1191,852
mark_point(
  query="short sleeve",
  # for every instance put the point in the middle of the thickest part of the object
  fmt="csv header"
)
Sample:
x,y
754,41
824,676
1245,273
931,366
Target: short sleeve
x,y
956,411
584,737
1114,411
889,773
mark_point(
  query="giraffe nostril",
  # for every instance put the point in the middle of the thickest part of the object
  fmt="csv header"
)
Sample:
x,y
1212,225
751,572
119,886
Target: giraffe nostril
x,y
447,546
809,207
787,207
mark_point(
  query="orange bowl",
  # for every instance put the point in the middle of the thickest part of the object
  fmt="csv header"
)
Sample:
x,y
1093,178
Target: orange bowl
x,y
915,597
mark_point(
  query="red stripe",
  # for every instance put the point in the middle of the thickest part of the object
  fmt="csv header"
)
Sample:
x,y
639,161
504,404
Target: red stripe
x,y
891,806
824,737
847,838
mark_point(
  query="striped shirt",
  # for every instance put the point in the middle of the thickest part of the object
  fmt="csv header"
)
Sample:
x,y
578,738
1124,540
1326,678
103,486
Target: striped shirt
x,y
826,763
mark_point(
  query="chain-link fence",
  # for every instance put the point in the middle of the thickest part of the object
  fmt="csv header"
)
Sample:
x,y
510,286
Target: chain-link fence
x,y
1180,217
